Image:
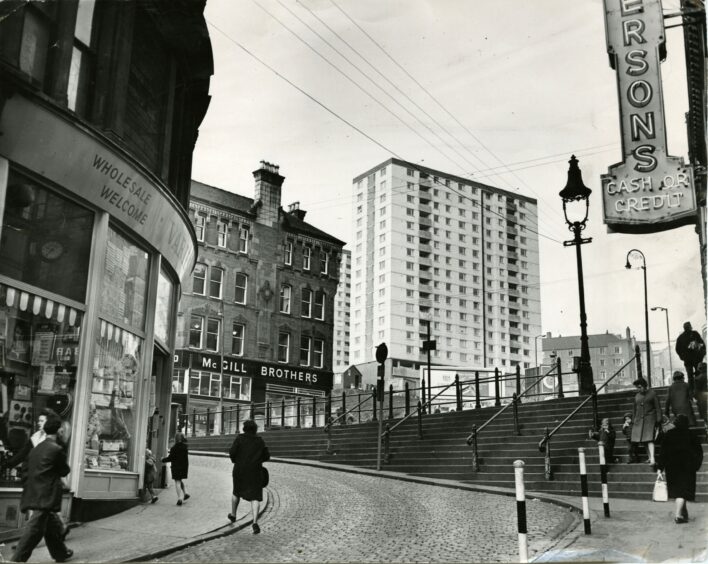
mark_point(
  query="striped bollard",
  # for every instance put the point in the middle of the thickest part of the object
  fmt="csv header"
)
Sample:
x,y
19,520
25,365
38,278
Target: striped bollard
x,y
584,489
603,479
521,510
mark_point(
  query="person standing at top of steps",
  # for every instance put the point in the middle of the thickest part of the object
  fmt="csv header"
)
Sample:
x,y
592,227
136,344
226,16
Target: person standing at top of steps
x,y
691,349
647,415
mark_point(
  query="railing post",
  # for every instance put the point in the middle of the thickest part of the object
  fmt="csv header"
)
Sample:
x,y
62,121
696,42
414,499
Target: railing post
x,y
548,473
422,394
390,402
518,383
387,440
343,421
515,407
194,422
297,418
638,356
238,417
477,400
314,411
475,457
282,413
328,430
328,408
373,403
420,420
560,379
408,399
497,399
268,415
595,416
221,420
358,409
207,422
253,411
458,393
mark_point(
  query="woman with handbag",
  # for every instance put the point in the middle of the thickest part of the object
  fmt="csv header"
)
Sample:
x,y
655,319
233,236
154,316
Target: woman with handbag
x,y
681,457
248,453
647,415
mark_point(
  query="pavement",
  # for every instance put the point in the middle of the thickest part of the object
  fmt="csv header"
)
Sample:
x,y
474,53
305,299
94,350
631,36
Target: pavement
x,y
388,516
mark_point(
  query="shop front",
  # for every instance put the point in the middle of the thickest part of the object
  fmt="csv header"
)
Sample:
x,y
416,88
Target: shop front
x,y
266,391
92,250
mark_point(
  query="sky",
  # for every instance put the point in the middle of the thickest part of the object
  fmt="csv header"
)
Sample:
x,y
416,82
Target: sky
x,y
499,91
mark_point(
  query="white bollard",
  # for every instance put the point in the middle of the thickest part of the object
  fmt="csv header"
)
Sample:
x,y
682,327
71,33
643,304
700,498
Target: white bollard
x,y
521,510
603,479
584,489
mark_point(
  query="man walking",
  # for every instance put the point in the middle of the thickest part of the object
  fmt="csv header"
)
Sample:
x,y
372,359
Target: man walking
x,y
691,349
46,466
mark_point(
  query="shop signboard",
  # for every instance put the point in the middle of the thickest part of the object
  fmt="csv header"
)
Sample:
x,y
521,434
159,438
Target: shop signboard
x,y
48,144
300,376
649,190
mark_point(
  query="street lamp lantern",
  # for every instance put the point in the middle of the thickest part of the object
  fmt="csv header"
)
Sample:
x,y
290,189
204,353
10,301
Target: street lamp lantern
x,y
576,205
636,254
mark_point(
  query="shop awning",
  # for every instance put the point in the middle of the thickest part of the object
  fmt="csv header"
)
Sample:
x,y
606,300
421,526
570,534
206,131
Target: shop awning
x,y
27,301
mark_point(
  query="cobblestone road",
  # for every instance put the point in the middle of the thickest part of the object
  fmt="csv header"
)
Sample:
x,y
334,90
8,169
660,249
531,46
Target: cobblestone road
x,y
320,515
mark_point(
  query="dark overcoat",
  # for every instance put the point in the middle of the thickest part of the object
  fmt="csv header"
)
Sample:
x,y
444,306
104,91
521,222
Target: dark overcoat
x,y
647,413
179,461
678,401
680,457
248,453
46,466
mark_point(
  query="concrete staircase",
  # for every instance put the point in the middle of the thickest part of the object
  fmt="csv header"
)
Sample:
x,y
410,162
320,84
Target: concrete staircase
x,y
443,453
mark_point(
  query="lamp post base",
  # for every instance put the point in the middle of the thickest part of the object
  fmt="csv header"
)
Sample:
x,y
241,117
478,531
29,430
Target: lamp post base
x,y
585,378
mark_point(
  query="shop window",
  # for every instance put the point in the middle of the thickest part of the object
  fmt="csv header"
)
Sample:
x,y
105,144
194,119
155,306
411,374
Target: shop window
x,y
306,308
319,304
163,308
39,350
318,353
82,59
178,381
216,277
305,350
238,334
283,347
196,326
125,279
236,387
241,288
289,253
45,239
202,383
244,234
111,420
285,294
199,279
306,257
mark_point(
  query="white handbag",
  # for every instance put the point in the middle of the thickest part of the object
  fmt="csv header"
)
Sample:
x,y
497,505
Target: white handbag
x,y
661,493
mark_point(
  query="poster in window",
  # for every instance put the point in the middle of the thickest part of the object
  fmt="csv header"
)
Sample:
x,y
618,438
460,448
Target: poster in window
x,y
23,387
19,340
43,344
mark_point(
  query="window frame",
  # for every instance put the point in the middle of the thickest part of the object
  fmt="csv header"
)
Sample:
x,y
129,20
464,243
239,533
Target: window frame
x,y
306,311
283,346
213,270
203,280
306,258
244,276
240,339
286,293
308,350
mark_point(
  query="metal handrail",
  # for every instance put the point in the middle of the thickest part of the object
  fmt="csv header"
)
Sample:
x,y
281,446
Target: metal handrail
x,y
503,409
542,443
332,421
427,402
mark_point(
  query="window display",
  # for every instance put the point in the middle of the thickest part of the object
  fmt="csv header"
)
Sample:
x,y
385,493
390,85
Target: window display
x,y
39,342
111,423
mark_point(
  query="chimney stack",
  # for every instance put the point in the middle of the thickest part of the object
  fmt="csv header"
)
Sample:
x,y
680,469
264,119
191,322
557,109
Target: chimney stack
x,y
269,184
294,209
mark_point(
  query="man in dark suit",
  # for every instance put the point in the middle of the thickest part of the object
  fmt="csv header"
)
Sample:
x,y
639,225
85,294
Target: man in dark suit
x,y
691,349
46,466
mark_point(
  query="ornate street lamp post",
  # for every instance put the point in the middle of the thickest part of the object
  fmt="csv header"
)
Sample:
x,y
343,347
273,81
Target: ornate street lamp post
x,y
637,253
574,195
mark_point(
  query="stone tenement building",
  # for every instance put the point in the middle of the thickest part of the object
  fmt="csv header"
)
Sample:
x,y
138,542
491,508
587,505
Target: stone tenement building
x,y
256,321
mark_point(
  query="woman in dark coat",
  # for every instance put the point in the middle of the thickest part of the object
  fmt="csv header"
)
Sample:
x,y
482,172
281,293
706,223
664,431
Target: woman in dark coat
x,y
647,414
678,401
179,459
248,453
681,457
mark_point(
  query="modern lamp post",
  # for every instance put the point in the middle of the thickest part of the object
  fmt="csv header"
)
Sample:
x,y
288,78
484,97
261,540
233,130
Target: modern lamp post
x,y
535,347
634,253
574,195
668,336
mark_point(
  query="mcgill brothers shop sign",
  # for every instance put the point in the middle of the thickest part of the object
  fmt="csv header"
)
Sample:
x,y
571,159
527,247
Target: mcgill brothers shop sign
x,y
649,191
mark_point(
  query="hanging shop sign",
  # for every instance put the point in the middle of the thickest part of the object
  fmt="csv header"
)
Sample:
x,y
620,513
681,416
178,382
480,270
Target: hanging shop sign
x,y
301,376
59,150
649,191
